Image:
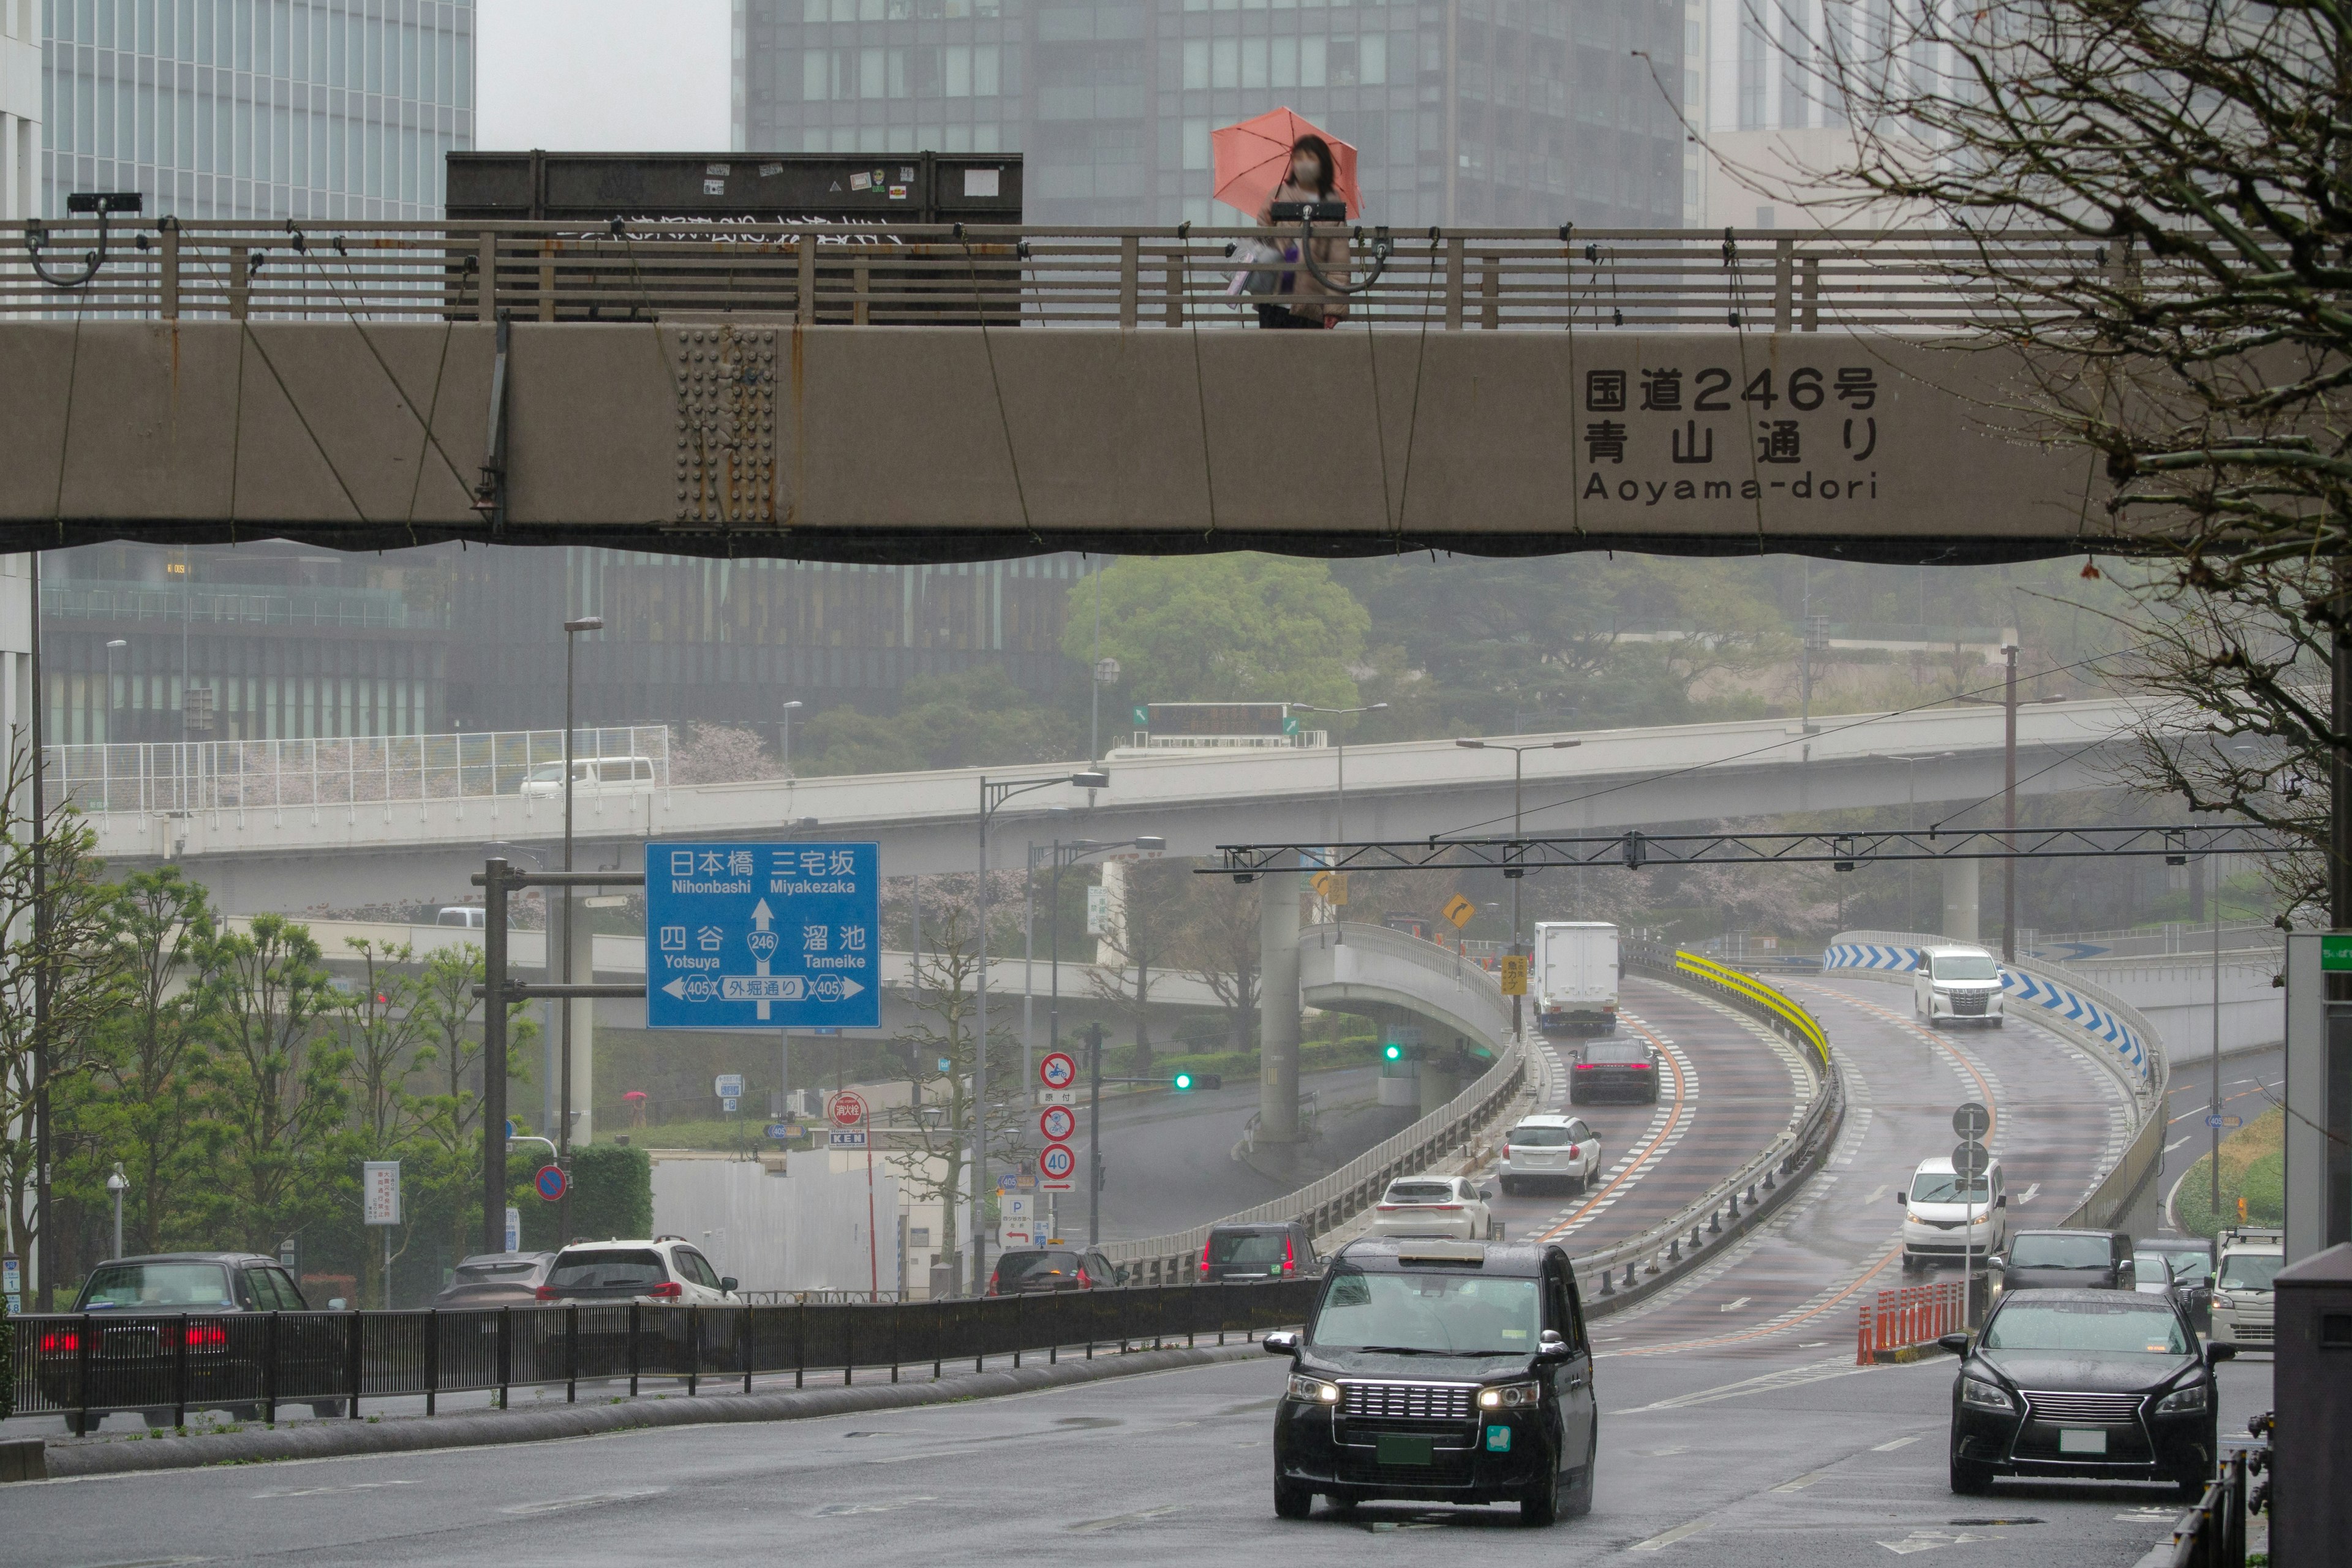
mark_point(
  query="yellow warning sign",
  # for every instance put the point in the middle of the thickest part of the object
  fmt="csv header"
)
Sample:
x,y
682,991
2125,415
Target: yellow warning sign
x,y
1331,886
1459,910
1515,975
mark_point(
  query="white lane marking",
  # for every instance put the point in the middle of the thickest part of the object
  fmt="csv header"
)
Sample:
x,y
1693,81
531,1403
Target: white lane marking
x,y
1928,1539
1735,1306
1662,1453
2027,1195
1801,1482
838,1510
589,1499
319,1491
1088,1526
1787,1377
1898,1443
1877,1193
1668,1537
2177,1142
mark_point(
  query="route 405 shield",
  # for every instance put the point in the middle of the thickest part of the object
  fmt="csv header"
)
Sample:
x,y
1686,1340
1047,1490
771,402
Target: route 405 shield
x,y
746,936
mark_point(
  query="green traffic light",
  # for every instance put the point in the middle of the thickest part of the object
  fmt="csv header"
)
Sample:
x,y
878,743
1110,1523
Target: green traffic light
x,y
1393,1052
1183,1081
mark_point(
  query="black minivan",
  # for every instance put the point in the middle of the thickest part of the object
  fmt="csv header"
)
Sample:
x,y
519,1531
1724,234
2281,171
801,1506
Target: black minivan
x,y
1444,1372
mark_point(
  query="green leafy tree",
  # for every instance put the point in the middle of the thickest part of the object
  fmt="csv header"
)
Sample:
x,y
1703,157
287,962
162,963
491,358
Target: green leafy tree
x,y
144,1112
275,1079
387,1040
1223,628
450,1115
965,719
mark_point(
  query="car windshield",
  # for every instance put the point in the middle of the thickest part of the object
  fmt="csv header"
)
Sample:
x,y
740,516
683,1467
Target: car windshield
x,y
2188,1268
1246,1246
1943,1187
1617,1051
136,1285
2060,1252
608,1268
1540,1137
546,772
2124,1328
1972,968
2249,1270
1419,1193
1018,1266
1438,1314
2152,1266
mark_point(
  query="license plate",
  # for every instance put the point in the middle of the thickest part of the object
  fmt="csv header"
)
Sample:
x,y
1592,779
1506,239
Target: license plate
x,y
1395,1448
2075,1442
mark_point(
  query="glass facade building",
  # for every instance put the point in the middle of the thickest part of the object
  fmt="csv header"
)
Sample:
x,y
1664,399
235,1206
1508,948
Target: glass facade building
x,y
1466,112
257,108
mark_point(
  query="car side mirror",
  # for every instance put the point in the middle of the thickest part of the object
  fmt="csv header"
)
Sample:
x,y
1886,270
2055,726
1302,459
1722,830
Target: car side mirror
x,y
1956,1343
1996,1262
1118,1274
1903,1200
2001,1202
726,1283
1552,1346
1487,1193
2215,1354
1281,1342
338,1305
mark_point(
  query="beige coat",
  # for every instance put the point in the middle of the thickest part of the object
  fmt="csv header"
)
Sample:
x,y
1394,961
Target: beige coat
x,y
1307,296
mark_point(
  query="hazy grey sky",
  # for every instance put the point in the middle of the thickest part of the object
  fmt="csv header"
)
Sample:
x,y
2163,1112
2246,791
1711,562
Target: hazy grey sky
x,y
614,76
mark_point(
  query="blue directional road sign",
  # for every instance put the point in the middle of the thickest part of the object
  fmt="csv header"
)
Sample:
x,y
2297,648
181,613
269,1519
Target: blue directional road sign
x,y
747,936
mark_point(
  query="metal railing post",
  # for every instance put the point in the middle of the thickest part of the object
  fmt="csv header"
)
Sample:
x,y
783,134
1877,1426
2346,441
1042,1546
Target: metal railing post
x,y
269,1374
353,1363
572,1353
693,1349
1490,291
1784,284
1175,316
506,1353
240,279
744,1340
1810,317
432,1358
1456,260
547,280
805,290
167,279
1130,280
486,278
633,1349
861,282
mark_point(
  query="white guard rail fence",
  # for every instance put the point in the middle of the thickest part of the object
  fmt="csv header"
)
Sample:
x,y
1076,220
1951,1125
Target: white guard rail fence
x,y
2110,1029
179,777
1444,279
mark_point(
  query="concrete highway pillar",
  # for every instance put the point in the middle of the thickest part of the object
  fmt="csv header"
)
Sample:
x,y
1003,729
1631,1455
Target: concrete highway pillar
x,y
1438,1084
1960,882
1278,1007
584,1029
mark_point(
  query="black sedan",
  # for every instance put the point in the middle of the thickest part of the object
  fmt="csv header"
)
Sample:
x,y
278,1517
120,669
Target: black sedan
x,y
1613,1069
2084,1383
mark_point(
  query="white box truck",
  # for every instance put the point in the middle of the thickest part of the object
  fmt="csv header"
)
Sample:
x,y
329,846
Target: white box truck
x,y
1574,977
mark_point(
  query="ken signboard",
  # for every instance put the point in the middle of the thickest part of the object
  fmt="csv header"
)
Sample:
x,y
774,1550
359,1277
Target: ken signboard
x,y
747,936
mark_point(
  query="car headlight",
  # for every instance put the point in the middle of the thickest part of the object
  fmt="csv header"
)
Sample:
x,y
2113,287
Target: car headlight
x,y
1983,1396
1510,1397
2183,1400
1913,1216
1314,1390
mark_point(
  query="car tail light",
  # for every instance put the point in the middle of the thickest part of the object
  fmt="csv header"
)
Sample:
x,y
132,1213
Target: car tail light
x,y
1584,1067
992,1282
668,1291
1084,1283
1387,1208
61,1341
1446,1208
206,1336
545,1293
1289,1253
1204,1260
1573,1152
1506,1151
1639,1066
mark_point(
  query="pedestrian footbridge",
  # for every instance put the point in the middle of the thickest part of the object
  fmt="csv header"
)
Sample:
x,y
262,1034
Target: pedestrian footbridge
x,y
821,392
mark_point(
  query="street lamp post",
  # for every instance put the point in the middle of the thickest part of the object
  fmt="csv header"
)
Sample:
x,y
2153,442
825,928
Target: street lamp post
x,y
572,630
118,1184
1341,826
786,741
992,796
110,648
1516,873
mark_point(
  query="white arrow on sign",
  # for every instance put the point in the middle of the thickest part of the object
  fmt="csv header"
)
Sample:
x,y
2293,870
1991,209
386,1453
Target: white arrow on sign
x,y
763,944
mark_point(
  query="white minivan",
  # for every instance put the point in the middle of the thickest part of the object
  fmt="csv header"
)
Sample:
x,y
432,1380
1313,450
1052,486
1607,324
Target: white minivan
x,y
1947,1216
593,776
1957,983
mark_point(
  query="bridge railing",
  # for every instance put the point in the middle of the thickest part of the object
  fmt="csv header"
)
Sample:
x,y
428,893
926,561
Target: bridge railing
x,y
1466,279
179,777
83,1365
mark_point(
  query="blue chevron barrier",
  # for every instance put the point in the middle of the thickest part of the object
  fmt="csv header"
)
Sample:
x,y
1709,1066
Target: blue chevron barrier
x,y
2037,991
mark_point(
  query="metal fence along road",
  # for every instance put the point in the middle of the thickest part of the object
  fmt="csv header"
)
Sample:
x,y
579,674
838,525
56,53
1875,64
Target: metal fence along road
x,y
251,1364
1466,279
374,770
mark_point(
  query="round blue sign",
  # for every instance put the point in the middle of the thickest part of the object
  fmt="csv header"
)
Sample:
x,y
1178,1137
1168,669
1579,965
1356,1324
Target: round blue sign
x,y
550,1182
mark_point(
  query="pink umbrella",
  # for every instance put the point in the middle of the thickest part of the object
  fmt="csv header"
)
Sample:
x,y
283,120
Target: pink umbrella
x,y
1253,157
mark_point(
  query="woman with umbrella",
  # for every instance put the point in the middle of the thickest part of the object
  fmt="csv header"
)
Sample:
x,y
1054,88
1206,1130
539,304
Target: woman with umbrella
x,y
1279,157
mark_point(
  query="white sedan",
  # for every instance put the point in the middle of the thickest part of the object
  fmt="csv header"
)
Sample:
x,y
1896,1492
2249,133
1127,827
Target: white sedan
x,y
1432,1206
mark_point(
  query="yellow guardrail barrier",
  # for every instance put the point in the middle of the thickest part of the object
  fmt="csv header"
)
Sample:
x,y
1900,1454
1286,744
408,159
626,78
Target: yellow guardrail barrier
x,y
1807,1027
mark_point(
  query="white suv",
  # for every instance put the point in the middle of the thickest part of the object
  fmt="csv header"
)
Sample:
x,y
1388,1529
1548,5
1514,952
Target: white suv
x,y
1432,1206
1957,984
664,1269
1548,1149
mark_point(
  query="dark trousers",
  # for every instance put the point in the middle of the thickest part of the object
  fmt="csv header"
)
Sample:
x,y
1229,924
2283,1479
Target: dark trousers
x,y
1281,317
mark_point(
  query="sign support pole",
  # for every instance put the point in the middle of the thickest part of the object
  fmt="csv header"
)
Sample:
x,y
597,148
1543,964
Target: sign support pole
x,y
494,1055
873,1245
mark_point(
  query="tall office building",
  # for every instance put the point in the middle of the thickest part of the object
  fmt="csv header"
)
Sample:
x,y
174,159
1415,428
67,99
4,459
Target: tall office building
x,y
1463,111
20,160
257,108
